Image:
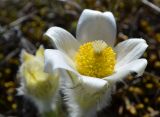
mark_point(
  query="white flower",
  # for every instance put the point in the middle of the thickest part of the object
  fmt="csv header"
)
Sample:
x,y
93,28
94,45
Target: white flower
x,y
92,62
40,87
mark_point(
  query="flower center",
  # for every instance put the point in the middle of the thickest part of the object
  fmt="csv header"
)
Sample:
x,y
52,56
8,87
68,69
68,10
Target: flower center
x,y
95,59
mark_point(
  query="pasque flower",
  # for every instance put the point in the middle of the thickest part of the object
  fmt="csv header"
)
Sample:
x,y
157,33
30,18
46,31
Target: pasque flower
x,y
40,87
92,62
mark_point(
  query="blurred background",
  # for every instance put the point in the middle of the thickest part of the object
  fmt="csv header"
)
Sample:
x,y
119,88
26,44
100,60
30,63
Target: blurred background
x,y
23,22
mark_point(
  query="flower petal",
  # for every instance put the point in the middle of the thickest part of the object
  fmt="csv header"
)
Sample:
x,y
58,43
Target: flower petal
x,y
25,56
92,84
63,40
137,66
94,25
55,59
83,94
130,50
40,52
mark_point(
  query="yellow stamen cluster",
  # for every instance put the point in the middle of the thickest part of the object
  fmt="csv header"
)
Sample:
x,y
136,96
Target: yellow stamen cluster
x,y
95,59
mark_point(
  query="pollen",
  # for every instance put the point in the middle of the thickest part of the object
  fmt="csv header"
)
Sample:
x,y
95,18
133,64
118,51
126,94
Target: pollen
x,y
95,59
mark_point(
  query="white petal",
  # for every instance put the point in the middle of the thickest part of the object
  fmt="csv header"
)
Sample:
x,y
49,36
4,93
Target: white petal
x,y
92,84
83,94
137,66
55,59
130,50
63,40
94,25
